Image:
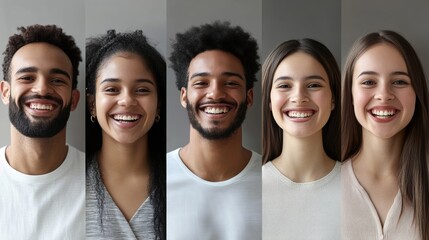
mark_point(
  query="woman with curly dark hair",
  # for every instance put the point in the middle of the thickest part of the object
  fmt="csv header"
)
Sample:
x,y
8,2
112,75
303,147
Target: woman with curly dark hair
x,y
125,80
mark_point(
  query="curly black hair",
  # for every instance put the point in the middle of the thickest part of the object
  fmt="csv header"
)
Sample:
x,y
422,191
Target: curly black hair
x,y
98,50
215,36
43,33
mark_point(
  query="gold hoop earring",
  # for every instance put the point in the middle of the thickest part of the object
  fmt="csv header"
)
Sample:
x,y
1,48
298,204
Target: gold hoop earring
x,y
92,118
157,118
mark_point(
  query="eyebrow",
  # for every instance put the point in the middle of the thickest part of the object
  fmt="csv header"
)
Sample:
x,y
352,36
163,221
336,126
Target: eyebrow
x,y
142,80
396,73
228,74
305,78
34,69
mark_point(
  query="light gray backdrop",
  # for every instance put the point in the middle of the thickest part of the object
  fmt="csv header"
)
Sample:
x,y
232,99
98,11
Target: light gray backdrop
x,y
409,18
128,15
286,20
183,14
70,15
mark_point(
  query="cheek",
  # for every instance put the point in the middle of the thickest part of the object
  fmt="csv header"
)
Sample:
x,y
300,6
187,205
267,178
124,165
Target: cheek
x,y
102,105
277,102
150,105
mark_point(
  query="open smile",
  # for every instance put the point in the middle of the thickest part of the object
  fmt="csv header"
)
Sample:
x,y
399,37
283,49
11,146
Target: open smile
x,y
126,117
383,113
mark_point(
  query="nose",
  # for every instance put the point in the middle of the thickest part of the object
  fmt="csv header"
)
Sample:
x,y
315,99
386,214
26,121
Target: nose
x,y
42,87
384,93
216,91
299,96
127,99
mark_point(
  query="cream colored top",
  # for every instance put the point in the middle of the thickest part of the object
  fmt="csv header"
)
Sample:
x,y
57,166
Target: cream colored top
x,y
359,218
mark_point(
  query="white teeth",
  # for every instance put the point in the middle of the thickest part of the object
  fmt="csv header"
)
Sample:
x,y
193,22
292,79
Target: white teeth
x,y
126,117
216,110
383,113
297,114
39,106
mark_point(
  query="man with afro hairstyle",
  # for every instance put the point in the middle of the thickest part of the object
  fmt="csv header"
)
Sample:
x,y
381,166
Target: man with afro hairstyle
x,y
42,179
213,182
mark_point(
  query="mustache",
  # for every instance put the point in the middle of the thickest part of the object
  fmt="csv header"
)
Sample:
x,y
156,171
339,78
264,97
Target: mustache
x,y
23,99
218,102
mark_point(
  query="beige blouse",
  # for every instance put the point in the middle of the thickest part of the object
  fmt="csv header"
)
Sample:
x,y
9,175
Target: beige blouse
x,y
359,217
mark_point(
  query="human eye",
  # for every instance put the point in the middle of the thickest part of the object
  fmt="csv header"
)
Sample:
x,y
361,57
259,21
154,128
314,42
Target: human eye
x,y
232,83
143,90
58,81
111,90
283,85
199,84
314,85
26,78
368,83
401,83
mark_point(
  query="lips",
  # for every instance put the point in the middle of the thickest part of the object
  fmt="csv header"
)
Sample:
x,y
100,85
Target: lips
x,y
216,108
41,106
300,114
122,117
383,112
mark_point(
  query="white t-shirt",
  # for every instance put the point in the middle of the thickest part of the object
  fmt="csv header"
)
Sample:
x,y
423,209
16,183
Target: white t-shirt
x,y
48,206
300,211
203,210
359,218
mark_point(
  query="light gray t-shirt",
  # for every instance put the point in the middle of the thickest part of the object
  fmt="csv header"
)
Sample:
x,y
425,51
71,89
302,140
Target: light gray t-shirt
x,y
114,225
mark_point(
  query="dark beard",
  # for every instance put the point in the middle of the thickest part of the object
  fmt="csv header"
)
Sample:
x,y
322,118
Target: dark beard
x,y
217,134
40,128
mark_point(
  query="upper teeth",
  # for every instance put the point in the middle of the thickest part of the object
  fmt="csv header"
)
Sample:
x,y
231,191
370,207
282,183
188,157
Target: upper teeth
x,y
216,110
39,106
296,114
126,117
383,112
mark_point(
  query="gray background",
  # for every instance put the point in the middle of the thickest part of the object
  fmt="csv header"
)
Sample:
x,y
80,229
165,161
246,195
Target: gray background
x,y
286,20
129,15
182,14
409,18
70,15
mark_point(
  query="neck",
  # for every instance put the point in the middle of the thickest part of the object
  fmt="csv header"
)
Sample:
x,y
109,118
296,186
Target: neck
x,y
380,156
215,160
119,159
36,156
303,159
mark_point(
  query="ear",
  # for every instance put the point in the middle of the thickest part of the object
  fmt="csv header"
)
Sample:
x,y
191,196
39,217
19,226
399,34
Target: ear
x,y
75,99
249,99
332,104
5,91
90,99
183,97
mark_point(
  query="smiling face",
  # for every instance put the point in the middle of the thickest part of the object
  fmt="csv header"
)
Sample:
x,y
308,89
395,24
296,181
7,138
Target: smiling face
x,y
301,98
126,98
40,94
383,97
216,97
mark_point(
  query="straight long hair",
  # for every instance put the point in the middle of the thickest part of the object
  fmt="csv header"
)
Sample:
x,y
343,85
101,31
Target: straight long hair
x,y
272,141
413,172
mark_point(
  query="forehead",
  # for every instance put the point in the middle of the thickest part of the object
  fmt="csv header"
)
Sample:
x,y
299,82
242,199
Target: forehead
x,y
125,66
299,65
382,58
215,62
43,56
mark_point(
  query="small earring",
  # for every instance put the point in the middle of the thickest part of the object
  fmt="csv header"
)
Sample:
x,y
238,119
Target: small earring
x,y
92,118
157,118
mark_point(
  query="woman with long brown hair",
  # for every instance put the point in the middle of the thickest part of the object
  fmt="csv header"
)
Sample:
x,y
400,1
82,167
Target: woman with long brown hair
x,y
385,192
301,144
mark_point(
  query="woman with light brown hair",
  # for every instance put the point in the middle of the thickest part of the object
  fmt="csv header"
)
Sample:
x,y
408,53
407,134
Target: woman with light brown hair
x,y
385,188
301,144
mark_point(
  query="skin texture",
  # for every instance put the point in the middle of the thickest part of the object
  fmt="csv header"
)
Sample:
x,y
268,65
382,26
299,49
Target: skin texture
x,y
125,87
380,80
216,79
26,154
301,86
